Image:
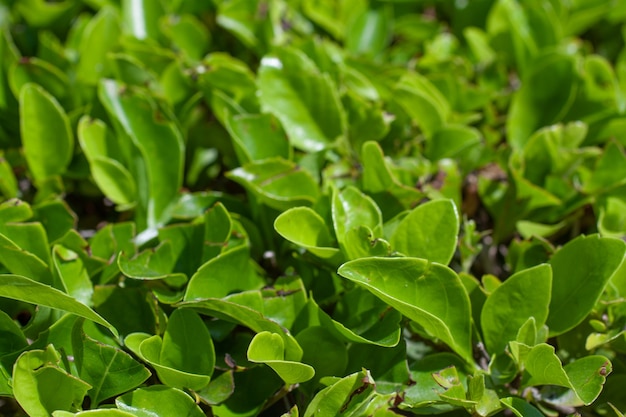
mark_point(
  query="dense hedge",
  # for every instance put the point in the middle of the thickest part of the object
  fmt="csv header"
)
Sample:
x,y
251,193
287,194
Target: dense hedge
x,y
331,207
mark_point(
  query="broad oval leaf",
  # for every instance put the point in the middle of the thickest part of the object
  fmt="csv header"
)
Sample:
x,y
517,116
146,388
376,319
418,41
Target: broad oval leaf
x,y
429,231
523,295
430,294
269,348
187,344
306,228
352,209
547,93
158,400
581,270
41,386
304,100
225,274
158,139
279,183
46,134
109,370
231,311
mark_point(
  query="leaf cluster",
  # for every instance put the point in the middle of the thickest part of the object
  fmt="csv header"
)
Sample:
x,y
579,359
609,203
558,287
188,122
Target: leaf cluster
x,y
334,207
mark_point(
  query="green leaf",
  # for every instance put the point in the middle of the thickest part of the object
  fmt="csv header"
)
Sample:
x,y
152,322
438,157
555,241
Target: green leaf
x,y
151,264
423,102
370,31
306,228
344,396
109,370
218,227
576,285
430,294
225,274
429,231
185,357
352,209
278,183
359,318
46,134
42,73
520,407
158,140
148,348
13,338
24,289
100,37
269,348
257,137
41,386
105,412
187,344
108,172
141,18
303,99
230,310
158,400
546,95
523,295
323,351
188,34
451,141
73,274
585,376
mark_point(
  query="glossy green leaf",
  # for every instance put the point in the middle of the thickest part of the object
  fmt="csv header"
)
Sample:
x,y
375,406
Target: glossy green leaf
x,y
307,106
424,103
545,96
13,338
430,294
576,286
370,31
232,311
108,172
523,295
8,182
331,400
323,351
141,18
225,274
188,34
520,407
24,289
105,412
257,137
451,141
269,348
352,209
360,318
149,348
585,376
429,231
46,134
154,263
35,372
73,274
306,228
158,400
100,37
279,183
109,370
42,73
218,226
159,141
